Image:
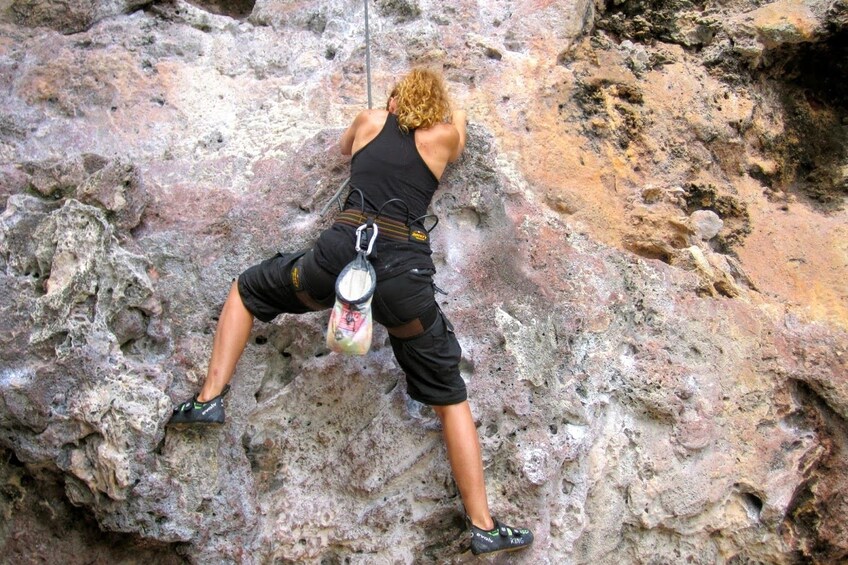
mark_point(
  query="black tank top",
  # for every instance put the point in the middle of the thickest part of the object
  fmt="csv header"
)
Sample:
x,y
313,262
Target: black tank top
x,y
388,167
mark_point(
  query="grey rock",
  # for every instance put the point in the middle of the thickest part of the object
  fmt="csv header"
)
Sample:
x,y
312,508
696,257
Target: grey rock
x,y
706,224
68,16
626,411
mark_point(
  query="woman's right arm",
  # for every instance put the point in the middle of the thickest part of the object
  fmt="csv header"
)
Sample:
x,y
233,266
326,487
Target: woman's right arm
x,y
458,120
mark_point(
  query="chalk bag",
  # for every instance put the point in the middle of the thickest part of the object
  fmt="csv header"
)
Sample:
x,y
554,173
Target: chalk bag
x,y
351,324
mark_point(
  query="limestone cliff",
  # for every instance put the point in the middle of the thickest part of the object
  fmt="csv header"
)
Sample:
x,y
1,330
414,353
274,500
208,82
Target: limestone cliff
x,y
644,246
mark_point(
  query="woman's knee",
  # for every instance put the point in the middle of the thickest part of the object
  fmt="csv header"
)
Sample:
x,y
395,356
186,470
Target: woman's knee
x,y
447,410
234,296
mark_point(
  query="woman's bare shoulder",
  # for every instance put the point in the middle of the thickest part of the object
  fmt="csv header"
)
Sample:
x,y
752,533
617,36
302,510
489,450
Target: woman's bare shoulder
x,y
440,130
373,116
444,134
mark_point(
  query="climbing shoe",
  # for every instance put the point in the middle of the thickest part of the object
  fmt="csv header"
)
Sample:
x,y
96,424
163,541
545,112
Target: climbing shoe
x,y
500,538
194,412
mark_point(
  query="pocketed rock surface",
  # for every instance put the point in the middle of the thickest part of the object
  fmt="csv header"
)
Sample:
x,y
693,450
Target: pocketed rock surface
x,y
644,249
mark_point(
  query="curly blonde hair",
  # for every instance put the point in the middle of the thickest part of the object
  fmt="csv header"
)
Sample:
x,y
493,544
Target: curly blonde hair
x,y
422,99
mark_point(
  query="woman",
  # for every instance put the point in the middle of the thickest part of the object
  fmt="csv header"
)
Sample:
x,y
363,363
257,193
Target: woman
x,y
399,155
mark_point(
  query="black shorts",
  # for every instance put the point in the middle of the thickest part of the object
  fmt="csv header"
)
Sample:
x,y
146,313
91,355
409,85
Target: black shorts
x,y
429,360
268,290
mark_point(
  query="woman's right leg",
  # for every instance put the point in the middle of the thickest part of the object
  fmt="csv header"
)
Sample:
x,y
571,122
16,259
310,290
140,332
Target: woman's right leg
x,y
262,291
272,288
231,335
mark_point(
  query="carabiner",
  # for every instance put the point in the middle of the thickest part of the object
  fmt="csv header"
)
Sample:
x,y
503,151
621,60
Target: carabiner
x,y
370,242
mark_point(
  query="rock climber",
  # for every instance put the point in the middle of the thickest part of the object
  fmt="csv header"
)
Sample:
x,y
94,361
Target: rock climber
x,y
398,156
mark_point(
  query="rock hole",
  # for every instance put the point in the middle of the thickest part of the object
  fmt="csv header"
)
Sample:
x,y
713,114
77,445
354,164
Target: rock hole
x,y
128,347
317,23
651,250
12,459
261,340
752,502
815,98
725,289
390,388
627,349
237,9
400,11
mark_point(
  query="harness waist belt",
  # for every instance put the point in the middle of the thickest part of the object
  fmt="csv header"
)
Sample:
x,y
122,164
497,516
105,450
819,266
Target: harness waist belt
x,y
389,228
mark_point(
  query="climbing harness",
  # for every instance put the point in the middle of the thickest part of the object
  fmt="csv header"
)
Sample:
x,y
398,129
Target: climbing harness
x,y
412,230
389,228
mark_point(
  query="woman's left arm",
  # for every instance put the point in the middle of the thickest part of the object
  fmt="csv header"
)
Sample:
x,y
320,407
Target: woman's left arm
x,y
346,142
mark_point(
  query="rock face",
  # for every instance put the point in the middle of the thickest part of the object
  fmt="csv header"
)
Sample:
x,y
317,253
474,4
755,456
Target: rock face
x,y
643,248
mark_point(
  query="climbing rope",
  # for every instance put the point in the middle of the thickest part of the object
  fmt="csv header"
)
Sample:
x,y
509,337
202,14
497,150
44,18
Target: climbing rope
x,y
367,54
338,194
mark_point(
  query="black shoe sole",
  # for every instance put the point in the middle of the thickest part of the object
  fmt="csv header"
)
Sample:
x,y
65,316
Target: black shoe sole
x,y
498,551
193,424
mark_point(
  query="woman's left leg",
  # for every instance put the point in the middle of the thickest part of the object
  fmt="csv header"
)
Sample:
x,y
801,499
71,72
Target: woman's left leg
x,y
429,353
